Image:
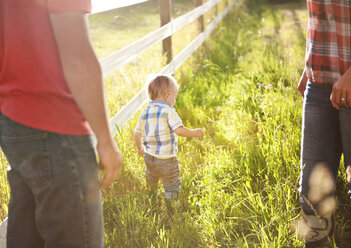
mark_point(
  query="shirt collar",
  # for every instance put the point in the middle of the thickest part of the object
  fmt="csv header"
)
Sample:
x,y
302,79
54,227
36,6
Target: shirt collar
x,y
159,103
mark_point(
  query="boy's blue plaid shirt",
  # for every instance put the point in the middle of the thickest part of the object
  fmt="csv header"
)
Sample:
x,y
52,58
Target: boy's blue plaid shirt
x,y
156,125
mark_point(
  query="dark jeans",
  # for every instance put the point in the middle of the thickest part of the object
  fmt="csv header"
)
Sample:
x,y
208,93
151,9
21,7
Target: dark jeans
x,y
326,134
165,169
55,195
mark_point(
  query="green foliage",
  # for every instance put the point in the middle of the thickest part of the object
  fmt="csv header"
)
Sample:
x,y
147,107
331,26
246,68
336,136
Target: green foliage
x,y
240,182
4,187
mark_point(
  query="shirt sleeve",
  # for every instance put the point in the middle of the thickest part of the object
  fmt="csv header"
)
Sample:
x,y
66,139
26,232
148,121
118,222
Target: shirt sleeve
x,y
174,120
138,126
56,6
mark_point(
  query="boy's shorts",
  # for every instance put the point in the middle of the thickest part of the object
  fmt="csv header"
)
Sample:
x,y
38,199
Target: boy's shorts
x,y
167,170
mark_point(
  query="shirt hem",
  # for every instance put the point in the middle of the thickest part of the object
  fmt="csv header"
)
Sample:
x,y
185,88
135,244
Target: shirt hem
x,y
161,157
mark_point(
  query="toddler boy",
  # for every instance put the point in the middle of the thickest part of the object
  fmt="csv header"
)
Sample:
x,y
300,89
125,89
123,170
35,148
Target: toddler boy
x,y
158,127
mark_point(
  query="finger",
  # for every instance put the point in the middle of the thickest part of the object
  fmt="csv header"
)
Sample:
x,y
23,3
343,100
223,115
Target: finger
x,y
347,102
112,172
343,98
348,173
335,105
337,96
302,93
108,178
302,90
332,99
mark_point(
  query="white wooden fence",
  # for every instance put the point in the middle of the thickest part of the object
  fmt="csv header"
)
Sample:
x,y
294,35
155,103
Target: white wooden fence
x,y
106,5
130,52
125,55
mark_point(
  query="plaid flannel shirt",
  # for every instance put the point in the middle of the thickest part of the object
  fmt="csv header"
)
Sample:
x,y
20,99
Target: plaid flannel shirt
x,y
156,125
328,44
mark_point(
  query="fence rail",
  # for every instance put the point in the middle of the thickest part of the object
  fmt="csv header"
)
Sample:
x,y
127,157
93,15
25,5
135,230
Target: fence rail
x,y
132,107
125,55
106,5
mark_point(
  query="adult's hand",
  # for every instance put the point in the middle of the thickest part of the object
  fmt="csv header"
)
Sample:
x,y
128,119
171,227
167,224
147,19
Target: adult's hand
x,y
302,83
110,160
341,93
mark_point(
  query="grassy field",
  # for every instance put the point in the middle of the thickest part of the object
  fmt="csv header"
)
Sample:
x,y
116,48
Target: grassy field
x,y
240,182
115,29
241,89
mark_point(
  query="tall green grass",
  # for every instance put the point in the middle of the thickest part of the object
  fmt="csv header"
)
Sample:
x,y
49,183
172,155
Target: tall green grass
x,y
240,182
115,29
111,31
4,187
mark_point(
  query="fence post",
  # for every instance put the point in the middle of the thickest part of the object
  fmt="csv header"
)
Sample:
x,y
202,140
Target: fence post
x,y
201,18
165,14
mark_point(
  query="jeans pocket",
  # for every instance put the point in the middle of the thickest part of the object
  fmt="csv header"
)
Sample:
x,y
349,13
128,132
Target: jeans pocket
x,y
27,151
318,95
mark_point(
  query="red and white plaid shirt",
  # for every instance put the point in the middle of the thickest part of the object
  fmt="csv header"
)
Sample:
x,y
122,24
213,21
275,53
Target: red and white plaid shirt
x,y
328,47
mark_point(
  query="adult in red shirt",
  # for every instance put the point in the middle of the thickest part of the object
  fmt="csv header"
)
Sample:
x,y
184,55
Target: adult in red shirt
x,y
51,97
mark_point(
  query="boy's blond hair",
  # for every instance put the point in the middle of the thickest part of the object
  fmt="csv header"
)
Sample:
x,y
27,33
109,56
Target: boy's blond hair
x,y
159,84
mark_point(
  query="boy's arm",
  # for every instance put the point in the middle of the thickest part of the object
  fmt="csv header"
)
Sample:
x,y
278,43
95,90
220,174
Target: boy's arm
x,y
137,140
187,132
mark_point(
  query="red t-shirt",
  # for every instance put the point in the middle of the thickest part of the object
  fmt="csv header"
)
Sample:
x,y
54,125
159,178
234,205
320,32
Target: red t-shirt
x,y
33,89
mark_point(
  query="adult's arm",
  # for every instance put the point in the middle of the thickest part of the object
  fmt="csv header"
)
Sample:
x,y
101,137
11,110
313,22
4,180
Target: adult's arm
x,y
341,93
84,78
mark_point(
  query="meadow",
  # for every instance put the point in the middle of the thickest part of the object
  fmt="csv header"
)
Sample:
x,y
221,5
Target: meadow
x,y
239,183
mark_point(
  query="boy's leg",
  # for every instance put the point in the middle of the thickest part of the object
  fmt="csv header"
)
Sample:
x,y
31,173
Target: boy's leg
x,y
61,173
152,192
320,157
168,171
151,178
171,184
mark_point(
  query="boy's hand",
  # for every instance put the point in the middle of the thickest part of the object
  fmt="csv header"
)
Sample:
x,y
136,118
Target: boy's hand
x,y
141,152
199,132
137,140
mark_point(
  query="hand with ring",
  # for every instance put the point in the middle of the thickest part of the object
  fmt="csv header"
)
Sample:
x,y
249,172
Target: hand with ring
x,y
341,93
